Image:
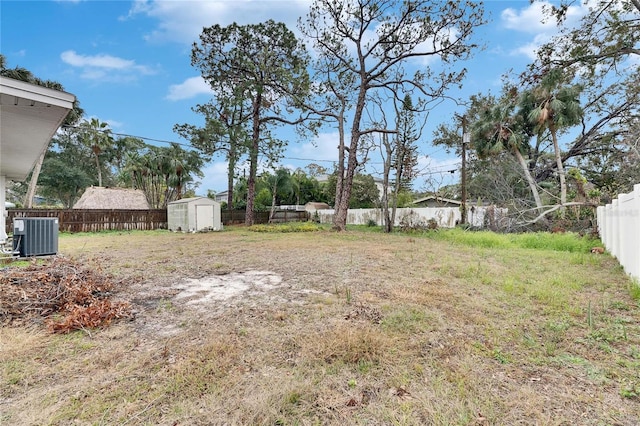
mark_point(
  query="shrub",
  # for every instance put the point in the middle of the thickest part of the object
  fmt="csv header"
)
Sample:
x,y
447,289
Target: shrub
x,y
287,227
412,221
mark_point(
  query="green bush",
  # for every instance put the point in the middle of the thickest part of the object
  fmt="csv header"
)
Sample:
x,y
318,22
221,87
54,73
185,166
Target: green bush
x,y
287,227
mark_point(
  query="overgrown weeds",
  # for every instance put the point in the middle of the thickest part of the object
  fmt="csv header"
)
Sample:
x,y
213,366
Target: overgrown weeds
x,y
288,227
569,242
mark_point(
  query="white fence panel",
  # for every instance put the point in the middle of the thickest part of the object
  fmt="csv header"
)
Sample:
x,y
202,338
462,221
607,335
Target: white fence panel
x,y
446,217
619,227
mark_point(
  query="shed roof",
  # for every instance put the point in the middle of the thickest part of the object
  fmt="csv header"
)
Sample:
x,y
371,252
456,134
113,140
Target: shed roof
x,y
438,199
97,197
194,199
314,205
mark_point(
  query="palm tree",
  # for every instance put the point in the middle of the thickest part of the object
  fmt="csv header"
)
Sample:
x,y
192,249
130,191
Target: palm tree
x,y
17,73
280,187
180,166
298,178
553,106
499,129
143,170
163,173
97,136
118,153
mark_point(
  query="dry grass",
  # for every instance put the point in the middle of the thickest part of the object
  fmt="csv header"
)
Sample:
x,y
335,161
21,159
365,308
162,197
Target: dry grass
x,y
364,328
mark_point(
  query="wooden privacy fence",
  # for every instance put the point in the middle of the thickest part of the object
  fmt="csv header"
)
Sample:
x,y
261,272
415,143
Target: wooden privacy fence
x,y
93,220
619,227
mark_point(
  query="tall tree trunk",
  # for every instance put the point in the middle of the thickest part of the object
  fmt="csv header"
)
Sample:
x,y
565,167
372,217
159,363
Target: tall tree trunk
x,y
274,195
230,173
530,180
342,203
563,184
253,162
33,183
400,159
387,218
98,168
340,170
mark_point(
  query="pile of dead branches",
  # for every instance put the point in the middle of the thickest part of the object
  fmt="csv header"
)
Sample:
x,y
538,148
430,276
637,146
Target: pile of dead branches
x,y
63,294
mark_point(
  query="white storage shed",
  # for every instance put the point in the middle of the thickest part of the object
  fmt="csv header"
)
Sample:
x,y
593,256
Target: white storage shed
x,y
194,214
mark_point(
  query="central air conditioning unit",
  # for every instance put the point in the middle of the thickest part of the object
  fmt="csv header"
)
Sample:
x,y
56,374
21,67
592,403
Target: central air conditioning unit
x,y
35,236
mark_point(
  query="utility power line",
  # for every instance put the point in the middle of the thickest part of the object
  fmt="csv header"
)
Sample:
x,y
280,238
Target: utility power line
x,y
432,171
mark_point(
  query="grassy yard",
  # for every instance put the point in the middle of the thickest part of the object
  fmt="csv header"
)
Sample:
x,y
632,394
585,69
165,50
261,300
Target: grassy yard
x,y
297,328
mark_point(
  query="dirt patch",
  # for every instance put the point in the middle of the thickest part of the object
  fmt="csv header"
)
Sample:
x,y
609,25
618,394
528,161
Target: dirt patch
x,y
204,292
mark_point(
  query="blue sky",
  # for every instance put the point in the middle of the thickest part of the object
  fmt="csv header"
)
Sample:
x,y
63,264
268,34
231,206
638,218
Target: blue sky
x,y
128,64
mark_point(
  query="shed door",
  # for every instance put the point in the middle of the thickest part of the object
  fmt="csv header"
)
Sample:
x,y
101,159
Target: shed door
x,y
204,217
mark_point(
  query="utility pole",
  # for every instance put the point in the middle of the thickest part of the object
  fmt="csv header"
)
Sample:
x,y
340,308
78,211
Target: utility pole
x,y
465,140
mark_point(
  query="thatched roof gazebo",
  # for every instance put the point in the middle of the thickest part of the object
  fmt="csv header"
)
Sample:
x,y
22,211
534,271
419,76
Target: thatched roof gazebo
x,y
96,197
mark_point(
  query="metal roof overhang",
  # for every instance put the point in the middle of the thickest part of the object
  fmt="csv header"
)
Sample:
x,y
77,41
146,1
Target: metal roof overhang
x,y
29,117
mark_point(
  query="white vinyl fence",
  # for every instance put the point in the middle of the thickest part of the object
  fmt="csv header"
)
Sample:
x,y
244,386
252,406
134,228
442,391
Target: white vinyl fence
x,y
619,227
445,217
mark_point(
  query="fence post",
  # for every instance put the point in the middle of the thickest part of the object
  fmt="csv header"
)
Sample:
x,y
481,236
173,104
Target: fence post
x,y
615,228
634,234
608,226
626,222
600,222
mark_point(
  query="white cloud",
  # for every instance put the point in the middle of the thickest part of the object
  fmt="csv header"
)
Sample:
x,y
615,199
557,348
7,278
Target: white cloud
x,y
113,126
98,61
529,49
105,67
324,148
532,20
215,177
188,89
215,174
183,22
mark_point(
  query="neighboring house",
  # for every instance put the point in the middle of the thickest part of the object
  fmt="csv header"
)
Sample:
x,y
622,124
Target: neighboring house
x,y
294,207
378,182
31,115
222,196
312,206
434,201
380,185
97,197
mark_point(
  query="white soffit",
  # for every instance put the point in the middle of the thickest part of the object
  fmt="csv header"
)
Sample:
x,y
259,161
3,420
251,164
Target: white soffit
x,y
30,115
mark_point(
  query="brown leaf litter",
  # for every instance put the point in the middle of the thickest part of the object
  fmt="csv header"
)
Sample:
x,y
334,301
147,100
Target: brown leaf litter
x,y
60,292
